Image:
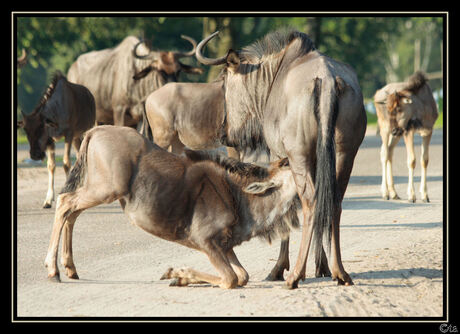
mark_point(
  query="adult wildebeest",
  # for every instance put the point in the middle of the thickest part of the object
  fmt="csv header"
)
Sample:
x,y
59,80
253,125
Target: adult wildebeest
x,y
122,77
192,114
284,95
202,201
65,110
404,108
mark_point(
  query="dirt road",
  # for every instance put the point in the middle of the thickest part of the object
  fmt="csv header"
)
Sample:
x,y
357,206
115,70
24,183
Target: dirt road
x,y
393,251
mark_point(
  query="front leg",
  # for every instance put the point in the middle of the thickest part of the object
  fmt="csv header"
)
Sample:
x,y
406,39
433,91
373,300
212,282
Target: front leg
x,y
282,264
66,158
51,165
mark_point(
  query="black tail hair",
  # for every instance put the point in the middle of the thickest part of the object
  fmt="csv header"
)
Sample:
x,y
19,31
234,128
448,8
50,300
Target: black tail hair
x,y
325,177
77,174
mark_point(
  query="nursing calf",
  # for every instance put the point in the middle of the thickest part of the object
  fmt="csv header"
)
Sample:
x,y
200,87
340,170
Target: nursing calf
x,y
203,201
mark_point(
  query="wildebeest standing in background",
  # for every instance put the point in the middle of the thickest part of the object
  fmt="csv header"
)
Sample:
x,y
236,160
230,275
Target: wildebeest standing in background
x,y
281,93
65,110
404,108
205,202
122,77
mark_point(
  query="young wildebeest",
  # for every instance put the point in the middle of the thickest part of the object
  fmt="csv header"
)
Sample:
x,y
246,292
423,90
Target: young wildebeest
x,y
65,110
282,94
208,205
404,108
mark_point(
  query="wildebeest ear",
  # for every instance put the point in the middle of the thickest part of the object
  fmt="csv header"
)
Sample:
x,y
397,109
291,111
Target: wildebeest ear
x,y
258,188
190,69
233,60
50,123
143,73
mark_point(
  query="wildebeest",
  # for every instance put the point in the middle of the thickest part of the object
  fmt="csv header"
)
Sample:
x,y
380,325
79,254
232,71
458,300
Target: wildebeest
x,y
404,108
65,110
22,61
122,77
203,201
284,95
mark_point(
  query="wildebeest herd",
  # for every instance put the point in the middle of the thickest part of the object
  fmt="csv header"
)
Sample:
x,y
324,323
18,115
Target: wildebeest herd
x,y
278,100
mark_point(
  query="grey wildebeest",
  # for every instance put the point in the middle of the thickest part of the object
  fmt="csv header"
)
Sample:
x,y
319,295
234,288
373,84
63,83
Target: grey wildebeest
x,y
282,94
65,110
404,108
191,114
122,77
203,201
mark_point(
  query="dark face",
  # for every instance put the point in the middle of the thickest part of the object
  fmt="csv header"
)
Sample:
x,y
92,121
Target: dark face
x,y
35,129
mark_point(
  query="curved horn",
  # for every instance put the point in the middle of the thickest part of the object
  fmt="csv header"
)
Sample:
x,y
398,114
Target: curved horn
x,y
21,61
147,56
191,52
204,60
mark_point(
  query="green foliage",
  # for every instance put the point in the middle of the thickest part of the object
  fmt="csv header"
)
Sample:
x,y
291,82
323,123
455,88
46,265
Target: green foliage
x,y
376,47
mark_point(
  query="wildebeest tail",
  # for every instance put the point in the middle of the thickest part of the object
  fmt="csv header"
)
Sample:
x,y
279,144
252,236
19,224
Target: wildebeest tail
x,y
326,110
77,174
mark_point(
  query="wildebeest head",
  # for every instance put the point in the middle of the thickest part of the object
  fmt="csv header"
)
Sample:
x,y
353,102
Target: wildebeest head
x,y
166,62
35,126
402,105
249,75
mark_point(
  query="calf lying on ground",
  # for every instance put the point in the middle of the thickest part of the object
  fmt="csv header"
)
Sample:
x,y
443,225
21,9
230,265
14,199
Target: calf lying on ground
x,y
202,201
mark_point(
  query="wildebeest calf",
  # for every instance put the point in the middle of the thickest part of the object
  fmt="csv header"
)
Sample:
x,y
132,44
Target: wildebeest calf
x,y
65,110
404,108
203,201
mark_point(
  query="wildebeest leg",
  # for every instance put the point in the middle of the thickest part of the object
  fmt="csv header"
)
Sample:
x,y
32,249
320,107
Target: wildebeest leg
x,y
67,256
390,183
409,141
68,208
227,278
276,273
243,276
51,165
306,190
66,158
76,142
386,154
426,138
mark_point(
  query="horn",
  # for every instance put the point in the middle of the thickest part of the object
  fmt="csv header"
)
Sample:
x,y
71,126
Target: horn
x,y
150,55
204,60
191,52
21,61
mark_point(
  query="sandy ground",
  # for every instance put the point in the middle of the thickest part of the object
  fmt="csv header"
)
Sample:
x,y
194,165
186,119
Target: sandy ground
x,y
393,251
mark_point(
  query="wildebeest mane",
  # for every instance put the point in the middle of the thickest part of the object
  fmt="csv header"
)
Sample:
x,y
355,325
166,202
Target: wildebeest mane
x,y
275,42
49,90
416,81
231,165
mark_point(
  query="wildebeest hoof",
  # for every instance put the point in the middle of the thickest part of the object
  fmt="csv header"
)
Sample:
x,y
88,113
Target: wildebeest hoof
x,y
411,200
426,200
167,274
46,205
275,276
54,278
